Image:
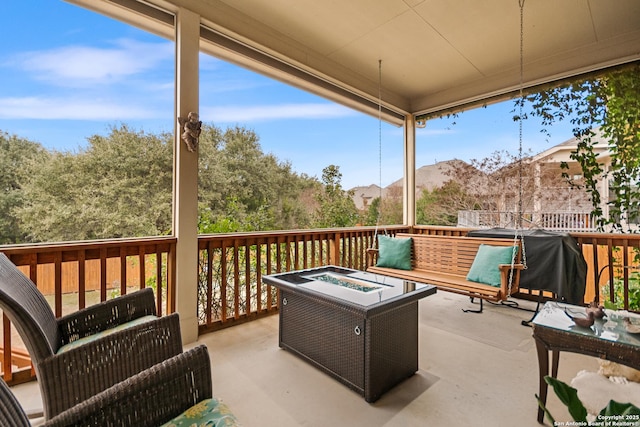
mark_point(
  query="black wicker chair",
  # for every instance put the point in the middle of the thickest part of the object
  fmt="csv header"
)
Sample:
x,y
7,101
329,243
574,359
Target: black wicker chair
x,y
152,397
78,367
11,414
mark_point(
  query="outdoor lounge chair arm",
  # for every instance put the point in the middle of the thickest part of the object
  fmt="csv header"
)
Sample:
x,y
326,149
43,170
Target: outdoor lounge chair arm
x,y
106,315
81,372
149,398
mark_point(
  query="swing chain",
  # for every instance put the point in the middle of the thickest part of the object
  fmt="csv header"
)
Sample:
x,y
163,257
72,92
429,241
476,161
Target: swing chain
x,y
379,213
520,195
519,235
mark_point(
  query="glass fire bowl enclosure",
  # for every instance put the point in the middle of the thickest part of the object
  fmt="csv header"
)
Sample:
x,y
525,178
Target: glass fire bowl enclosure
x,y
360,328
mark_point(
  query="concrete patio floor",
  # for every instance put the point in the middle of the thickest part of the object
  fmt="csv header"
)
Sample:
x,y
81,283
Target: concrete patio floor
x,y
474,370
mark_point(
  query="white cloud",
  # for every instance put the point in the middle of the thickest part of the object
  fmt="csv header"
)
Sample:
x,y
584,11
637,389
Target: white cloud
x,y
83,65
254,113
70,109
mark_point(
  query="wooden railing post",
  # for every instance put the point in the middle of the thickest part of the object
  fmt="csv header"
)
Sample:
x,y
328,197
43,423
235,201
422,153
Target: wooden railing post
x,y
334,249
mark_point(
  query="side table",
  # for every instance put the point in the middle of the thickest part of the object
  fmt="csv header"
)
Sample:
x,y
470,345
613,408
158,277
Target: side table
x,y
554,331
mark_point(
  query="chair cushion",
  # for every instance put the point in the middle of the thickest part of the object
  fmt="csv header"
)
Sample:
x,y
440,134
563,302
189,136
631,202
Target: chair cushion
x,y
209,412
84,340
485,265
394,252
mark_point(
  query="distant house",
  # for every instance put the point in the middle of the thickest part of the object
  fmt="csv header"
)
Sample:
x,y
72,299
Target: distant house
x,y
363,196
549,201
576,200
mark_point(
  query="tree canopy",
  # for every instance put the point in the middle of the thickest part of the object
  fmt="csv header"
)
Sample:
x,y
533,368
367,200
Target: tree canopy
x,y
120,185
19,160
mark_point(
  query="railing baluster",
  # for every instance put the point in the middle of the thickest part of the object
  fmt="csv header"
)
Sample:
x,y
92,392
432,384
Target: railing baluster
x,y
82,280
57,262
247,277
258,258
142,267
123,271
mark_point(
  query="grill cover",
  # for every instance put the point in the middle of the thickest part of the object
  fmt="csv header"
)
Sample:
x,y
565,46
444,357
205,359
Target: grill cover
x,y
554,260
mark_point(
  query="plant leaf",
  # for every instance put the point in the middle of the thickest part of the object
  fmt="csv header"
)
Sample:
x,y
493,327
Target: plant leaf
x,y
622,409
569,396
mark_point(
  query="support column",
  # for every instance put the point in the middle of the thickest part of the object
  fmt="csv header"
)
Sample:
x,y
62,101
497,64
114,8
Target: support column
x,y
409,181
185,181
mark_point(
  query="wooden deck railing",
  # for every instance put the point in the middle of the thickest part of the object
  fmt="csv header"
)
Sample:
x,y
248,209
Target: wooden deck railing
x,y
612,258
231,266
74,275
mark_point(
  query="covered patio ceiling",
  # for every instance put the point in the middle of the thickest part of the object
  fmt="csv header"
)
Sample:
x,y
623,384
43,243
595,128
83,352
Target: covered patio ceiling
x,y
436,55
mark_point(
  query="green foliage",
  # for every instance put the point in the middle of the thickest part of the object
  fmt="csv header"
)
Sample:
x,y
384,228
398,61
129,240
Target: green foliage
x,y
441,205
618,292
336,206
610,103
19,159
569,396
373,213
119,186
244,189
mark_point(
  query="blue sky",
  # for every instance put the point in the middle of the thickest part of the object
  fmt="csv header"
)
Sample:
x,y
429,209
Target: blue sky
x,y
68,73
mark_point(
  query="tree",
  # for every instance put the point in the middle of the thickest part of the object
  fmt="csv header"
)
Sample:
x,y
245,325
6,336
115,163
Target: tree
x,y
244,188
440,206
391,206
610,103
19,159
336,206
119,186
372,214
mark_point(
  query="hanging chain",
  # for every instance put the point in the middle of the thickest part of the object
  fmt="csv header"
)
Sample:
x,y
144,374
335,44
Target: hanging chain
x,y
379,213
380,134
519,235
521,106
521,195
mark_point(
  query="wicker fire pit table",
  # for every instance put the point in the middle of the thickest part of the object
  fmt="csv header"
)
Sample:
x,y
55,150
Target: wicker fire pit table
x,y
360,328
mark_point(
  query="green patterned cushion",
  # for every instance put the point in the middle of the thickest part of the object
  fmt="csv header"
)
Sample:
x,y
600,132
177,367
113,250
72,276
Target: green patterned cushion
x,y
82,341
394,252
208,413
485,265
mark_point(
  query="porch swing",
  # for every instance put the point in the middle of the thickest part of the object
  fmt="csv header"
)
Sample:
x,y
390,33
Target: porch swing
x,y
448,261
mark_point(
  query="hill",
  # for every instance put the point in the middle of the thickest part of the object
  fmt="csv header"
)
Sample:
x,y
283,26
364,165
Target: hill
x,y
427,177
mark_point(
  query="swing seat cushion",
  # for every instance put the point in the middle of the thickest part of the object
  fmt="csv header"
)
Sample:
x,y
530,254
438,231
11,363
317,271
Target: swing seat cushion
x,y
485,268
394,252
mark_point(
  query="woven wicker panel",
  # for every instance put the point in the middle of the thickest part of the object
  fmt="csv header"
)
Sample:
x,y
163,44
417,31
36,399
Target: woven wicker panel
x,y
392,351
11,413
324,333
555,339
149,398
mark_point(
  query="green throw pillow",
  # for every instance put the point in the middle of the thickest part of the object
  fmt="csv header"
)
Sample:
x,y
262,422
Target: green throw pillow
x,y
485,266
394,252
